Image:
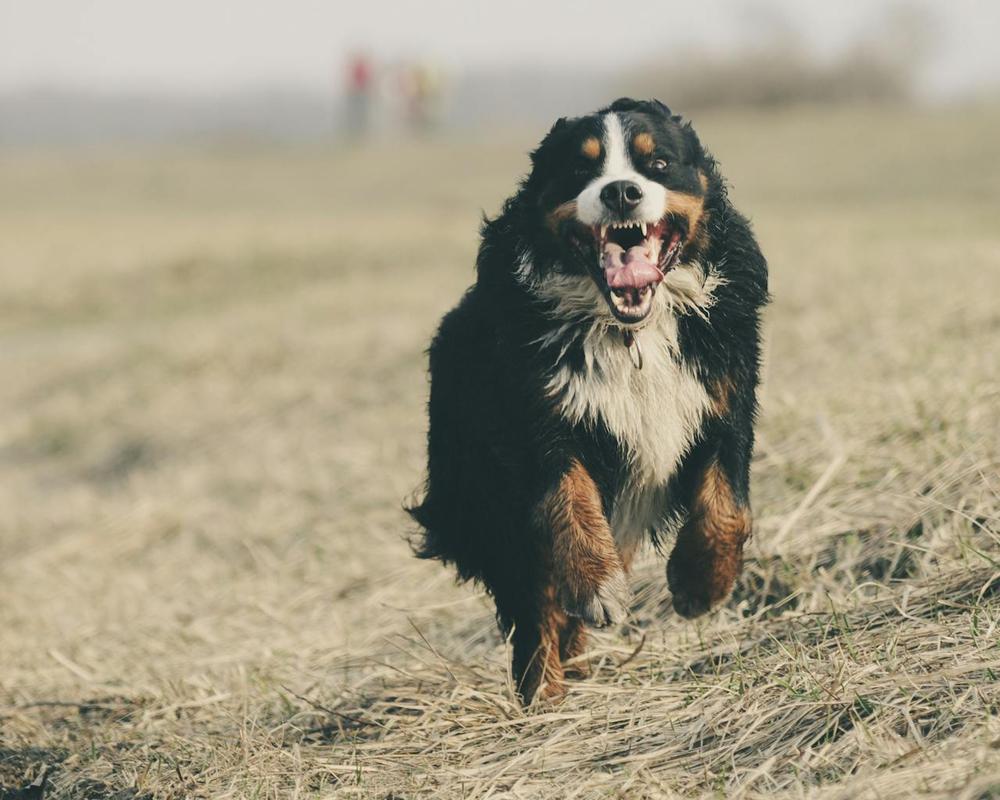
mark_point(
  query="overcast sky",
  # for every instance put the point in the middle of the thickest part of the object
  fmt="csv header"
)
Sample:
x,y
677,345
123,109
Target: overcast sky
x,y
212,45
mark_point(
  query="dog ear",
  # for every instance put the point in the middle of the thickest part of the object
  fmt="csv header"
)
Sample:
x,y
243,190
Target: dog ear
x,y
624,104
558,125
654,106
664,109
558,129
695,151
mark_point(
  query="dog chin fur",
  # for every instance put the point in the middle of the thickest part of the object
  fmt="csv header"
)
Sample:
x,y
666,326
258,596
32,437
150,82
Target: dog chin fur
x,y
686,289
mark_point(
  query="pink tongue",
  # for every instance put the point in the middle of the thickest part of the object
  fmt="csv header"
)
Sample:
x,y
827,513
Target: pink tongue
x,y
629,269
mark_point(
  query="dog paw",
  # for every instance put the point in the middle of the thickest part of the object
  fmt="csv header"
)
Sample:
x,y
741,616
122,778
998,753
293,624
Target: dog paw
x,y
542,681
548,693
606,605
690,605
697,585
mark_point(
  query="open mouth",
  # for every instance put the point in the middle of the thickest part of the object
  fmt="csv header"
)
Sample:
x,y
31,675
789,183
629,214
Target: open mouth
x,y
633,257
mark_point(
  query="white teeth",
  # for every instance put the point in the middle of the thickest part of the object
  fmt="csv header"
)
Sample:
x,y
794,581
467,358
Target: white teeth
x,y
629,223
604,231
643,226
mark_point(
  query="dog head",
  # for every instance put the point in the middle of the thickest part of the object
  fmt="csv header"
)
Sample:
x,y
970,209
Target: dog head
x,y
618,197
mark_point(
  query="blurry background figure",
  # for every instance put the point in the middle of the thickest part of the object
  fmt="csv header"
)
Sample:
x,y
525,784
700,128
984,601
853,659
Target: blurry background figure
x,y
360,80
421,84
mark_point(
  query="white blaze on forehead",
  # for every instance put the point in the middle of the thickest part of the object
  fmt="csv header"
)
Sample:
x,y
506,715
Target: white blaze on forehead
x,y
618,166
617,161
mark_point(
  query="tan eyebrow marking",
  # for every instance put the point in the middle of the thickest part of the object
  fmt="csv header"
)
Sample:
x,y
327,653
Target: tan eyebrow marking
x,y
644,144
591,147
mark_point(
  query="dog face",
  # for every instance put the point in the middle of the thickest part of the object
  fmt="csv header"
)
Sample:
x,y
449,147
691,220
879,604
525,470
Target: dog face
x,y
619,197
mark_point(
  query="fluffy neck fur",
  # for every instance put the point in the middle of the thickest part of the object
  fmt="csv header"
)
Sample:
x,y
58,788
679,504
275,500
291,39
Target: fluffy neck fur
x,y
655,412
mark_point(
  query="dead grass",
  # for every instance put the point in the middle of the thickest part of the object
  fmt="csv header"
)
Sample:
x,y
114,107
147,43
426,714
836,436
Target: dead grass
x,y
212,407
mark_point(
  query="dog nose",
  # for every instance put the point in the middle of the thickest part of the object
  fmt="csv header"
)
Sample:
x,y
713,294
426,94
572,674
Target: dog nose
x,y
621,196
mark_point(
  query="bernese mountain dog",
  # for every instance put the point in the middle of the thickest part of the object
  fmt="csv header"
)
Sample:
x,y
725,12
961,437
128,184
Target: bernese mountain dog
x,y
596,387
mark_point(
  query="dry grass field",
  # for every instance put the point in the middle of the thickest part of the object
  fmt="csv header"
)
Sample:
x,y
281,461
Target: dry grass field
x,y
212,388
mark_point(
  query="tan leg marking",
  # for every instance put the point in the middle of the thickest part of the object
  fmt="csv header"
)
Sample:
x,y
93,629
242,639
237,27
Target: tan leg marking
x,y
586,564
572,644
708,555
543,679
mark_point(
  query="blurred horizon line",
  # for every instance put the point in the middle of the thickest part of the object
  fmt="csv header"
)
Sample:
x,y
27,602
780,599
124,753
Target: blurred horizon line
x,y
60,116
768,61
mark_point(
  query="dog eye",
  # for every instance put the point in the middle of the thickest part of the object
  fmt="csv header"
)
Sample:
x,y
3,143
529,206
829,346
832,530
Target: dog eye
x,y
658,165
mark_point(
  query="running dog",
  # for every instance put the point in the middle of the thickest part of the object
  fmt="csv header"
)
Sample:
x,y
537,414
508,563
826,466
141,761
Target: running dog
x,y
596,387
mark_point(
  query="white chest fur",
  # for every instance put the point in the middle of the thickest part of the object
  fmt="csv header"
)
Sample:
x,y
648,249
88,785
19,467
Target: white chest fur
x,y
654,413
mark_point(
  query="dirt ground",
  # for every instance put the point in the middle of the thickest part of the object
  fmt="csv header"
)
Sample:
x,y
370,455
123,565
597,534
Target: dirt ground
x,y
212,395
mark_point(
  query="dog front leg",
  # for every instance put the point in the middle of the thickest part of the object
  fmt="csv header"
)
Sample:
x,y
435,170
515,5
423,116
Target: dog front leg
x,y
578,578
586,568
708,555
